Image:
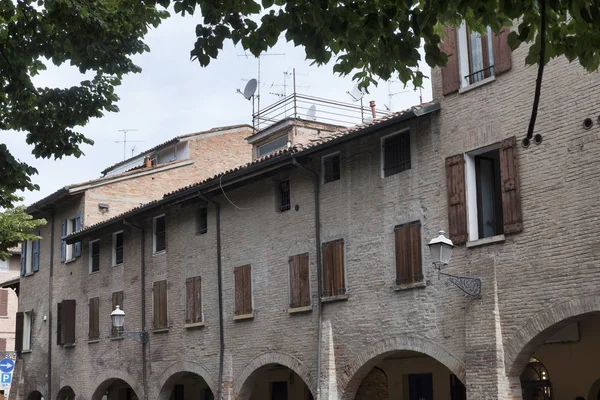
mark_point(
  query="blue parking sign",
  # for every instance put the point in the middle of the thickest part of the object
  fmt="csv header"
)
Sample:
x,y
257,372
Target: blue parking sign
x,y
5,379
7,365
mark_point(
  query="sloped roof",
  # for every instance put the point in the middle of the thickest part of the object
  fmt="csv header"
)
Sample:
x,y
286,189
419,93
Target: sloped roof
x,y
272,158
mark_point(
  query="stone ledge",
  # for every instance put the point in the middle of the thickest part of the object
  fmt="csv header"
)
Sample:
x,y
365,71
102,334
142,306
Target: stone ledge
x,y
243,317
331,299
194,325
296,310
409,286
485,241
477,84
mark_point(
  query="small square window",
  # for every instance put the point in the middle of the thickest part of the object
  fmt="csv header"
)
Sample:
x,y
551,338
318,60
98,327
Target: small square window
x,y
117,248
285,201
331,168
160,238
94,256
202,221
395,152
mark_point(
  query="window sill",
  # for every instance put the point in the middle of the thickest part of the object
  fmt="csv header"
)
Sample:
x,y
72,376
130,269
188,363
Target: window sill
x,y
296,310
118,265
160,330
243,316
68,346
117,338
158,253
409,286
484,241
331,299
4,317
26,351
194,325
70,260
94,272
92,341
28,274
477,84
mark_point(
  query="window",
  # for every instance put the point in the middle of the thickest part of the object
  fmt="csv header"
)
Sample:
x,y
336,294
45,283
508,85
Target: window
x,y
24,323
243,290
409,261
284,196
299,281
395,153
117,256
94,256
30,256
272,146
5,265
331,168
202,221
334,283
160,304
473,57
117,300
65,322
484,197
4,302
193,300
160,242
70,252
94,319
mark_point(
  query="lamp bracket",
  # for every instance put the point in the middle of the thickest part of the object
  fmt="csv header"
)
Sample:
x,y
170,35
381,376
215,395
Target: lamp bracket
x,y
471,286
138,336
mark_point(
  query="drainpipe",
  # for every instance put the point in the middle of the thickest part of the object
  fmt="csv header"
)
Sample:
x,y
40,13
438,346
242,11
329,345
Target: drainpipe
x,y
220,291
50,305
143,294
319,280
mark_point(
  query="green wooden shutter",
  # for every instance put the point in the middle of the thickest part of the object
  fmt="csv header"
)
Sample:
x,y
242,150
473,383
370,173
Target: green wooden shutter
x,y
35,254
23,258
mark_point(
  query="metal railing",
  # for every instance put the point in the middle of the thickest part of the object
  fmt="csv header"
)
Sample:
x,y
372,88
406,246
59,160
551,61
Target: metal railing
x,y
480,75
309,108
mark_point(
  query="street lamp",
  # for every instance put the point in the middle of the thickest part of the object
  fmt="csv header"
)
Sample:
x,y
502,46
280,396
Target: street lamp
x,y
441,250
118,322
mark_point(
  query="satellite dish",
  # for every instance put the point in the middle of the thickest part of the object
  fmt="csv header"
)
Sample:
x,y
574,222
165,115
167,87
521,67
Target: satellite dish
x,y
356,93
250,89
312,113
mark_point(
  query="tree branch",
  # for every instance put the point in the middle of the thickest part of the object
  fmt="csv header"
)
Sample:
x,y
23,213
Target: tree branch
x,y
538,82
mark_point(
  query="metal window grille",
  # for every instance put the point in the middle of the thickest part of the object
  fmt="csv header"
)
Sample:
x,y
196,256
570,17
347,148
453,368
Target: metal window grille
x,y
284,195
119,249
480,75
396,153
95,256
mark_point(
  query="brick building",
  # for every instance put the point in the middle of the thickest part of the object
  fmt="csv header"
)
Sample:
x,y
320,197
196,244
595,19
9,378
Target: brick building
x,y
305,273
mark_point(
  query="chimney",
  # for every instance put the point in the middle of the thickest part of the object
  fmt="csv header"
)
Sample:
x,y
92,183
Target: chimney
x,y
147,162
372,104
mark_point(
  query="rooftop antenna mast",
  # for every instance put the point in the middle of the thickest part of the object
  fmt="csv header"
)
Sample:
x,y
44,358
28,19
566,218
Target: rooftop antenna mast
x,y
391,95
357,95
124,141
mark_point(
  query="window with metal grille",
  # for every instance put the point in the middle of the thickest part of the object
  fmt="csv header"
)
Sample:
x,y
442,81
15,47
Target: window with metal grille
x,y
160,243
396,153
202,221
331,168
118,248
94,256
285,202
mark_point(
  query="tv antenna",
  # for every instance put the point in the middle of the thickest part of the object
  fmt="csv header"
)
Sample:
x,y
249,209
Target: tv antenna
x,y
391,95
124,141
357,95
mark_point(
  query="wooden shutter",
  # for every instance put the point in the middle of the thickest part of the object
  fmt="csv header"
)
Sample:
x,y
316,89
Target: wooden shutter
x,y
59,340
94,318
2,344
193,300
502,52
117,300
23,258
160,304
243,290
3,302
78,226
299,284
68,321
409,260
19,333
416,258
327,252
457,205
35,253
334,283
511,191
63,244
451,72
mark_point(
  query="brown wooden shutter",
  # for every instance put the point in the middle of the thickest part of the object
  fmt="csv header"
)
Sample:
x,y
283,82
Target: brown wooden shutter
x,y
193,300
19,333
339,283
243,290
160,304
416,258
299,284
59,340
247,289
511,191
68,321
402,233
451,72
2,344
502,52
94,318
327,269
457,205
3,302
117,300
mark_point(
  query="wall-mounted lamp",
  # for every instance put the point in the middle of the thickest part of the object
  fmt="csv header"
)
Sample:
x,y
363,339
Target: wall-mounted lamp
x,y
118,321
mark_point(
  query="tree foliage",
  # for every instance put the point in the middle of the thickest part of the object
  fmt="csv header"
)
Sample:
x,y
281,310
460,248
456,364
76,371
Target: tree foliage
x,y
16,226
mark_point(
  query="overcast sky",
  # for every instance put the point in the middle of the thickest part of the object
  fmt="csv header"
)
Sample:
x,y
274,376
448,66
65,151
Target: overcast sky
x,y
174,96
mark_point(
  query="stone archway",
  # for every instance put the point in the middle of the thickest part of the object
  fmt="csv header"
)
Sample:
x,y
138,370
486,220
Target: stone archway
x,y
175,371
244,384
521,345
35,395
594,391
107,379
66,393
374,353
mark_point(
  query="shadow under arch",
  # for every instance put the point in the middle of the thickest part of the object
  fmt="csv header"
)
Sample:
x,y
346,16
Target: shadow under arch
x,y
65,393
169,377
521,345
244,384
374,353
594,391
105,380
35,395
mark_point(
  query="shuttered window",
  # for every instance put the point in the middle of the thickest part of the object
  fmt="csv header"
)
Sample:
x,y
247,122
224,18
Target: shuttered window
x,y
396,153
160,304
117,300
299,281
117,248
243,290
30,256
331,168
67,322
3,302
193,300
2,344
94,256
457,205
285,200
59,340
409,260
334,283
160,238
19,333
511,189
202,221
94,318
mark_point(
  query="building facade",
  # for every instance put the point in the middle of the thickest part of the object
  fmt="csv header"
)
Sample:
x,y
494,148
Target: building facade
x,y
305,273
